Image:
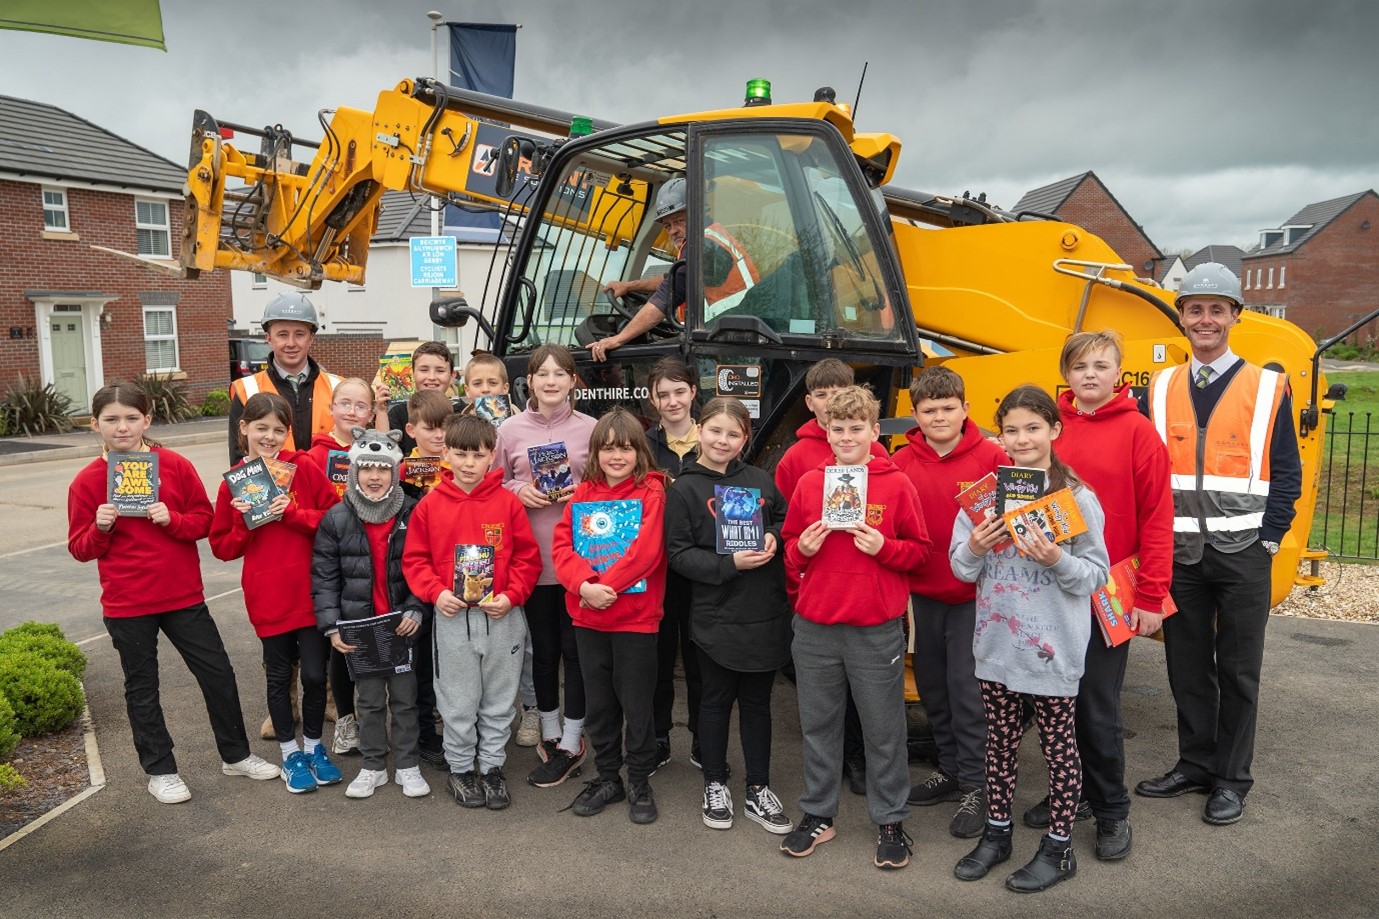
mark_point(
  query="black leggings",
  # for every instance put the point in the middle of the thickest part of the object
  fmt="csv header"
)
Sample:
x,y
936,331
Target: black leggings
x,y
341,686
310,646
752,692
553,638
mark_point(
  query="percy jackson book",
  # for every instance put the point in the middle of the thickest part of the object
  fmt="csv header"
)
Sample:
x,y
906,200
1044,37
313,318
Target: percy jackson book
x,y
422,471
603,531
738,519
132,482
473,574
551,472
845,496
253,484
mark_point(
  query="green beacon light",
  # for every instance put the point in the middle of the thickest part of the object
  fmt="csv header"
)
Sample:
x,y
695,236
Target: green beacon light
x,y
581,126
758,92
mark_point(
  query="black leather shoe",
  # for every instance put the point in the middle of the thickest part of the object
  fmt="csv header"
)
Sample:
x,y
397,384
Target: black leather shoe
x,y
1053,862
1112,839
1171,785
1223,807
1038,814
991,851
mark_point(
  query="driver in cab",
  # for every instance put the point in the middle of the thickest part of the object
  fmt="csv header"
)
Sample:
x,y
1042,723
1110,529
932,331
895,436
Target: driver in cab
x,y
728,275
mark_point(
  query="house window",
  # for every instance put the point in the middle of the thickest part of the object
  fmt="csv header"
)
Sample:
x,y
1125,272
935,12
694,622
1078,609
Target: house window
x,y
151,222
160,338
260,281
1282,272
1247,278
1279,312
1271,279
55,209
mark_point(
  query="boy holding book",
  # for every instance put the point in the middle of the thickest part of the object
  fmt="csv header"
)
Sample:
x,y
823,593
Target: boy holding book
x,y
486,375
478,645
848,630
427,414
947,453
433,370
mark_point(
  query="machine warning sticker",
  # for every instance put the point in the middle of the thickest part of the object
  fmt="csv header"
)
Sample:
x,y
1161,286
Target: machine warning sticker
x,y
742,381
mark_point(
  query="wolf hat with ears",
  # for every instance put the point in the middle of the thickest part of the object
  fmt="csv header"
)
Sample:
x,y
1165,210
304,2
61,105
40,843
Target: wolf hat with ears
x,y
374,448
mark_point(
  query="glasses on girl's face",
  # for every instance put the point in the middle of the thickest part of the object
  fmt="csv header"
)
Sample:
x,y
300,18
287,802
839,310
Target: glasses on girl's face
x,y
358,408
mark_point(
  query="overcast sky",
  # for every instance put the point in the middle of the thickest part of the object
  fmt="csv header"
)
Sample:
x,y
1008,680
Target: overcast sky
x,y
1208,120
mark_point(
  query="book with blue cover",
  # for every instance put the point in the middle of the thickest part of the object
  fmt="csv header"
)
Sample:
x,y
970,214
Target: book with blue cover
x,y
550,469
254,484
603,531
738,519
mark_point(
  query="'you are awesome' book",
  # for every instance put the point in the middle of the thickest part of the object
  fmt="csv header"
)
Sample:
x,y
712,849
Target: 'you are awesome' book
x,y
738,519
132,482
603,531
845,496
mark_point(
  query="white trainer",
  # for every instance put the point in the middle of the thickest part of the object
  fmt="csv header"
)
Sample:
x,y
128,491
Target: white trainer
x,y
413,785
346,739
252,767
169,789
366,781
529,731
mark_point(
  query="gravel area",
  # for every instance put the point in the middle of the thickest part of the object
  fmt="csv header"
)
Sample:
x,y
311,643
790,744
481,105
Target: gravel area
x,y
1351,592
54,766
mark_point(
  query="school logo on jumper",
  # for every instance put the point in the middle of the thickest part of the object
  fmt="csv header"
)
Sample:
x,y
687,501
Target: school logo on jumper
x,y
875,514
493,533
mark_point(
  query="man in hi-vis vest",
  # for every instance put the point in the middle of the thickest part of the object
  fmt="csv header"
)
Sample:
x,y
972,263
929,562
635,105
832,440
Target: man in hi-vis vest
x,y
1236,474
289,325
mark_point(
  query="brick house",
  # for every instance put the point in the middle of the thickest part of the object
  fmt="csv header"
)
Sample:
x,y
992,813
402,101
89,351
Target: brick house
x,y
1320,269
1086,201
77,318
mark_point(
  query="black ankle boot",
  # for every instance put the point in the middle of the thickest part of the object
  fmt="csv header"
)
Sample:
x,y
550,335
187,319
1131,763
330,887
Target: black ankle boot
x,y
1053,862
992,850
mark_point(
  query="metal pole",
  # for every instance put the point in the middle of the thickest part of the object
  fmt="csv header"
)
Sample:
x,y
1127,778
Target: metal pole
x,y
437,18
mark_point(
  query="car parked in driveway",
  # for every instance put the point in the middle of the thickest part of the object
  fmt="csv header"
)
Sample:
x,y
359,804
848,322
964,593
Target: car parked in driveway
x,y
248,356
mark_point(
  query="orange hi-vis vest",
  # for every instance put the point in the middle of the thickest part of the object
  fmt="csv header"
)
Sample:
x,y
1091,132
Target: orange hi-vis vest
x,y
1219,471
720,298
321,393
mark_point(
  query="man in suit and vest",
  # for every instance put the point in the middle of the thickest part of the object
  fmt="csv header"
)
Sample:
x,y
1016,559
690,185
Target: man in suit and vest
x,y
289,324
728,274
1236,474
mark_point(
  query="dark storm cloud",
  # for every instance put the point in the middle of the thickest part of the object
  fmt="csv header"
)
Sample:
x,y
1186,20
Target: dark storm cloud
x,y
1207,120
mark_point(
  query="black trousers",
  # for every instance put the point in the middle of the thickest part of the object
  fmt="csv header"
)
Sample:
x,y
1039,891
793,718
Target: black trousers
x,y
193,633
1100,729
553,640
619,679
946,676
1214,646
309,646
673,637
424,660
752,693
341,686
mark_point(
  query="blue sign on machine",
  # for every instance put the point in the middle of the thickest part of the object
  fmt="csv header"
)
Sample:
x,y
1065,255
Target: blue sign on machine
x,y
433,261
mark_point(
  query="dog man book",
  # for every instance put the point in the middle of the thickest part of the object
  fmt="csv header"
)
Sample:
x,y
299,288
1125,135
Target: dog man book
x,y
253,484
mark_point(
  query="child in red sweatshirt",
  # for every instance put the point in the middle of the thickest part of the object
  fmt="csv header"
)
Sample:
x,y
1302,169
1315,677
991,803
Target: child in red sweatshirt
x,y
945,454
277,587
615,580
479,633
848,631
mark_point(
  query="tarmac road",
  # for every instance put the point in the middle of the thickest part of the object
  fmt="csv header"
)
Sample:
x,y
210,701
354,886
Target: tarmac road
x,y
1307,846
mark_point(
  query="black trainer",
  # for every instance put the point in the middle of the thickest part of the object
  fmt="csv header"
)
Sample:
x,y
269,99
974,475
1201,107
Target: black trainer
x,y
970,819
432,752
855,771
939,786
641,804
893,846
990,852
811,833
464,788
496,795
1053,862
598,794
1113,839
662,753
1038,815
560,765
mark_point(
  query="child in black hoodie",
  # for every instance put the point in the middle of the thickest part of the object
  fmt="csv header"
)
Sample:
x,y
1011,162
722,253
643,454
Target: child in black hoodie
x,y
740,617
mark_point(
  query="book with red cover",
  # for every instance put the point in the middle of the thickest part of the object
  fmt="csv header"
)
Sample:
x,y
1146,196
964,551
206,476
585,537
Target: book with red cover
x,y
978,502
1111,604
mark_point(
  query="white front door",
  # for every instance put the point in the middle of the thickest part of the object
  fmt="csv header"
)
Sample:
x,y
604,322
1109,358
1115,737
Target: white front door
x,y
68,331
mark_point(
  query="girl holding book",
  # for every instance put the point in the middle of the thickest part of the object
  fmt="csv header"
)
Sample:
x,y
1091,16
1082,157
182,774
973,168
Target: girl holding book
x,y
150,574
548,426
277,585
1033,624
739,615
610,556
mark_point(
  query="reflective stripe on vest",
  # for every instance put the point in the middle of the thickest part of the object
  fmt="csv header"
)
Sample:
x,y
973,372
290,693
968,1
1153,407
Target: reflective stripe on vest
x,y
321,392
722,297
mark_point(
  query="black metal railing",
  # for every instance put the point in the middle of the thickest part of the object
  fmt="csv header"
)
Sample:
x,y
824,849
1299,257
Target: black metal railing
x,y
1346,522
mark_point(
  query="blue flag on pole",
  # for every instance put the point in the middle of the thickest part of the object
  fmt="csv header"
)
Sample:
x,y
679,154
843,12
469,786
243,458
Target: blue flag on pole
x,y
482,58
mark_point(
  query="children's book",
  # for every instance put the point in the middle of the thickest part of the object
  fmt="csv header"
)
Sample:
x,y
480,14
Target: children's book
x,y
550,470
379,650
978,502
422,471
253,484
1056,513
1111,605
845,496
493,409
132,482
738,519
474,574
282,472
603,532
395,372
338,470
1017,485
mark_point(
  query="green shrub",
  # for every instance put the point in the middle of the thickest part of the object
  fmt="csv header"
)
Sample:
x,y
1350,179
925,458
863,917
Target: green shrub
x,y
32,627
30,408
217,403
167,398
44,697
10,779
9,733
61,652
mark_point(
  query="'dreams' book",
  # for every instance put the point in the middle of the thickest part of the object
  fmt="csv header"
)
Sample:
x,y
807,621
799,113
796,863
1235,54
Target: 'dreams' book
x,y
603,531
253,484
738,519
473,574
845,496
550,470
132,482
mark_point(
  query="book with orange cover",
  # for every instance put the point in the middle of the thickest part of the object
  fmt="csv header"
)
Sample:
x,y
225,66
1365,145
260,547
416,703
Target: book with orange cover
x,y
1111,605
1056,513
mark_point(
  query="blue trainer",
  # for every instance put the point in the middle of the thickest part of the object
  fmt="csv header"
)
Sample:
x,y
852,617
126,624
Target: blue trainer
x,y
297,773
326,772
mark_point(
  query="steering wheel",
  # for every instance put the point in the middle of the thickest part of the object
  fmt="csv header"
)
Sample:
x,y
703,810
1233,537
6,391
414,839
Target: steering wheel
x,y
628,304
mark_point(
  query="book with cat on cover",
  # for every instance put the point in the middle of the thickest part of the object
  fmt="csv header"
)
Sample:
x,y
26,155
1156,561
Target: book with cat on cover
x,y
474,574
978,502
422,471
1111,605
282,472
378,650
1017,485
338,470
132,482
493,409
738,519
550,469
395,372
1056,513
845,496
603,531
253,484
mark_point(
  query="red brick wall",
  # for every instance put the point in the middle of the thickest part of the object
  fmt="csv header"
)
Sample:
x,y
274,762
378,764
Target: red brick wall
x,y
29,262
1091,206
1332,280
349,355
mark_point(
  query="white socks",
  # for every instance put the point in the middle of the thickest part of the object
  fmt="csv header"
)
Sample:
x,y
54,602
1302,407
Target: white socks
x,y
550,725
309,745
289,747
569,741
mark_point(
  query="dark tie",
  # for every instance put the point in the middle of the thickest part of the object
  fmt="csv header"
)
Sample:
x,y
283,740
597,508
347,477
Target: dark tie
x,y
1203,377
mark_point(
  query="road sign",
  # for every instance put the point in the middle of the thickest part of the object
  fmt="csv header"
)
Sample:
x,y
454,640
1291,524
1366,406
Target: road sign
x,y
433,261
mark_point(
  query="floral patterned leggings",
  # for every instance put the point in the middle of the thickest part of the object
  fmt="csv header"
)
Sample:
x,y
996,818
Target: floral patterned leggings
x,y
1057,737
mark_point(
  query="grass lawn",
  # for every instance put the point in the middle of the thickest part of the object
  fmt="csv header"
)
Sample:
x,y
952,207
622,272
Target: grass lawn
x,y
1347,516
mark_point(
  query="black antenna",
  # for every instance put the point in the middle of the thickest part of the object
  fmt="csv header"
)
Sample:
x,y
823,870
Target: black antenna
x,y
858,100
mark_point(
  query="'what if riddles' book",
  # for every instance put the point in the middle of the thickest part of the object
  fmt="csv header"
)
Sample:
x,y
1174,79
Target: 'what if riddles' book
x,y
845,496
738,519
473,574
132,482
493,409
338,470
550,470
1018,485
603,531
253,484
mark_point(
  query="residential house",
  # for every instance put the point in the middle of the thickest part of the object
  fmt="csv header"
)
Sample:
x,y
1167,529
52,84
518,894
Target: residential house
x,y
1086,201
1172,270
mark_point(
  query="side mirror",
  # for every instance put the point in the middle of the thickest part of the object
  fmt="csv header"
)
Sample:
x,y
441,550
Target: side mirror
x,y
509,156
